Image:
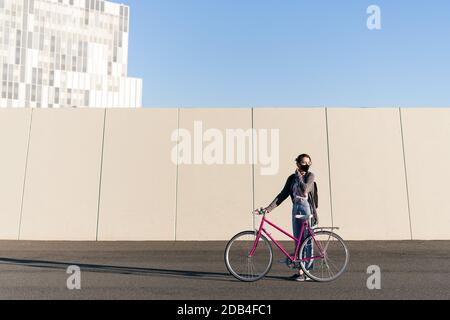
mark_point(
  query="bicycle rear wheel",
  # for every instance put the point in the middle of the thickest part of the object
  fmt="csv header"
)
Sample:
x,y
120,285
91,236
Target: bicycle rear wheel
x,y
327,256
238,262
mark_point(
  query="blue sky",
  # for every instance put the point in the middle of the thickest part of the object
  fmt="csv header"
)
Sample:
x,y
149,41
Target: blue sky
x,y
289,53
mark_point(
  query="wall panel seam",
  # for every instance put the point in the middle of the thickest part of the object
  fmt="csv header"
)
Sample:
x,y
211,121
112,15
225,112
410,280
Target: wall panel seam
x,y
253,165
101,175
329,166
406,172
177,175
25,173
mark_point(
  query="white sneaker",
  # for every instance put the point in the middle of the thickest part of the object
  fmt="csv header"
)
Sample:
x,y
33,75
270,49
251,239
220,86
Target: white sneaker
x,y
301,278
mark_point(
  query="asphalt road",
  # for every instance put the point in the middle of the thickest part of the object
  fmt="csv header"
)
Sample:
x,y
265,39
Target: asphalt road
x,y
189,270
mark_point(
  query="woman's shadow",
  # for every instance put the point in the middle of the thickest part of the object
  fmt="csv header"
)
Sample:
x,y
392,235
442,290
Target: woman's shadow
x,y
124,270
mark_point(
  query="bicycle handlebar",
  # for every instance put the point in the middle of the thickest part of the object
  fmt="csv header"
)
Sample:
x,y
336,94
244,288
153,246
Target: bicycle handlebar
x,y
260,212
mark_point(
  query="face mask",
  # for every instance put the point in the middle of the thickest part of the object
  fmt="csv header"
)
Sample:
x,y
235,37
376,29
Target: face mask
x,y
305,168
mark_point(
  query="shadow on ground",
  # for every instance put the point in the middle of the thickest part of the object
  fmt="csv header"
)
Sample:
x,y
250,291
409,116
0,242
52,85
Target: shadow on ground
x,y
125,270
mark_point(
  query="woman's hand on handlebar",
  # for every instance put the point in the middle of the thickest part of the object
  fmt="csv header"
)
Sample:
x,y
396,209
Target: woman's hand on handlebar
x,y
261,211
257,211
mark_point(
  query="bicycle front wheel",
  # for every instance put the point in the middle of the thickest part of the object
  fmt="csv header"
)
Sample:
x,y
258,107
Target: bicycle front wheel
x,y
238,260
324,257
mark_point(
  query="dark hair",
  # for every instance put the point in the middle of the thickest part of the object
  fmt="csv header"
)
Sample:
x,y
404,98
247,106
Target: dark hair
x,y
300,157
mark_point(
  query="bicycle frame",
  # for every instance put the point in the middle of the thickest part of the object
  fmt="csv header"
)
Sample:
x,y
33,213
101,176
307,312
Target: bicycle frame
x,y
298,241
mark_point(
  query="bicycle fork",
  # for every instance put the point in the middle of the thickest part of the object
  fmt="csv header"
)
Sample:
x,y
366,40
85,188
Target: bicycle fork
x,y
255,245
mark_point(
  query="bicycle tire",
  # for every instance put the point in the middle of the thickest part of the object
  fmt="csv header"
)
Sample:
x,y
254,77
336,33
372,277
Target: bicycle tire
x,y
233,271
327,260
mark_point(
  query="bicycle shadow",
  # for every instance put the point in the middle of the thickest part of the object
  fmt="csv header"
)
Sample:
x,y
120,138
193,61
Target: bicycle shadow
x,y
126,270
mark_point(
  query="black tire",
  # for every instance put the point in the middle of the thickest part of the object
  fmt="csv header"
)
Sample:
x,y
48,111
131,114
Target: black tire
x,y
335,267
238,250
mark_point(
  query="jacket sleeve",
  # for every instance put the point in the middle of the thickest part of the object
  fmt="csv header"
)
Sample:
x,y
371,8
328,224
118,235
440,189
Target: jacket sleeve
x,y
308,186
284,194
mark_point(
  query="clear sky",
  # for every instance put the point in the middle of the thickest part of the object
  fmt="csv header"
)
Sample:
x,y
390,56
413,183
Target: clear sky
x,y
288,53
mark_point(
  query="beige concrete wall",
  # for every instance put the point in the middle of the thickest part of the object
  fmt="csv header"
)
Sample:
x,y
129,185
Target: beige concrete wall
x,y
139,179
427,152
368,174
214,201
62,182
14,132
301,130
143,195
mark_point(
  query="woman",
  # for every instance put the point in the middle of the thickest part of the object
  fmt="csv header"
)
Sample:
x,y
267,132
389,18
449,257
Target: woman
x,y
298,187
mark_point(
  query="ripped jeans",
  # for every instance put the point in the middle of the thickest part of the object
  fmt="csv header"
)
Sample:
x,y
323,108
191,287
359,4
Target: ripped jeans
x,y
302,207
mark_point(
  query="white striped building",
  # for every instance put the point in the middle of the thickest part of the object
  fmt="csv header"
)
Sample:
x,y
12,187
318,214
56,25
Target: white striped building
x,y
65,53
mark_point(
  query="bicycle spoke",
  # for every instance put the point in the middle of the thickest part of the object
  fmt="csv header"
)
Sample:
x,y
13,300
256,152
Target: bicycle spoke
x,y
322,267
239,263
330,272
332,264
333,259
327,244
252,269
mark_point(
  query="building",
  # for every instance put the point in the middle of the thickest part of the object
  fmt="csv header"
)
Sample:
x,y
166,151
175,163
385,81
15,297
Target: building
x,y
65,53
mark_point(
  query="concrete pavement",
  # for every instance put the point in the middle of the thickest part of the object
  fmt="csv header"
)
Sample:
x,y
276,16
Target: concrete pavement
x,y
196,270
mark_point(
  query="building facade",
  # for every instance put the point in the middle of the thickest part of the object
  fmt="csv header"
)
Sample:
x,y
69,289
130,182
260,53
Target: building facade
x,y
65,53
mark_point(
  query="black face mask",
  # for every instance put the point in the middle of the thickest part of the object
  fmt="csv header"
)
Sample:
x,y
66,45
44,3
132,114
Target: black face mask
x,y
305,168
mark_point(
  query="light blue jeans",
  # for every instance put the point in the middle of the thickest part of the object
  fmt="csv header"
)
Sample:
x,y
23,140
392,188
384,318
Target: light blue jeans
x,y
302,207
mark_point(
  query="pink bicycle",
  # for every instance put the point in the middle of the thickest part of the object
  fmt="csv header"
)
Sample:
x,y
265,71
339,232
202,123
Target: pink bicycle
x,y
323,256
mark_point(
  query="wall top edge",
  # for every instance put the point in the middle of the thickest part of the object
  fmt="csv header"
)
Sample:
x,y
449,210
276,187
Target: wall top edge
x,y
224,108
